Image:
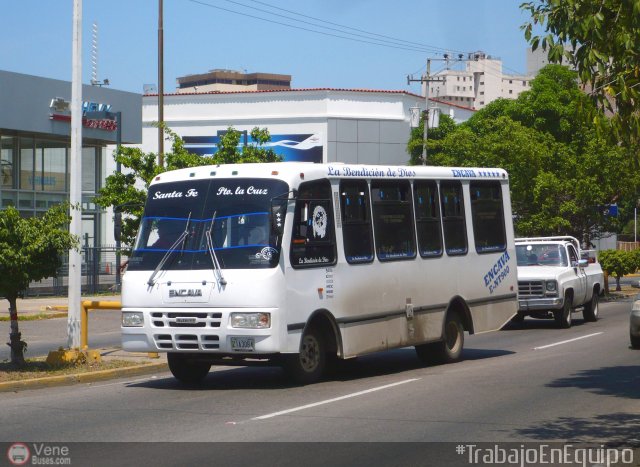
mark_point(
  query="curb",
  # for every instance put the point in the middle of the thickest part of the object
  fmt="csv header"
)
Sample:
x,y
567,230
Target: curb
x,y
65,380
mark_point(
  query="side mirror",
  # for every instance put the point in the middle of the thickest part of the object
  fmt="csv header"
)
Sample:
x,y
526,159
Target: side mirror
x,y
581,263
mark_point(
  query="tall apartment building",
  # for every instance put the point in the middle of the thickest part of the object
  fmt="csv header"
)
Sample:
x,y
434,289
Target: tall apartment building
x,y
481,82
230,80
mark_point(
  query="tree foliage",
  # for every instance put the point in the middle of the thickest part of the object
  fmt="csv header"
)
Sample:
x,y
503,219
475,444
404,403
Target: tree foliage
x,y
126,191
618,263
31,249
601,41
562,172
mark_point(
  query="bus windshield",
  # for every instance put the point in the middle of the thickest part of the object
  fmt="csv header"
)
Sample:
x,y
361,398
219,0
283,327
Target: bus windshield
x,y
236,212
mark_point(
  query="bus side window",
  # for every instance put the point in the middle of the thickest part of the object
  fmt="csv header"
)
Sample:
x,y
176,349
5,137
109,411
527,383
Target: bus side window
x,y
453,220
313,237
356,221
427,207
488,216
393,220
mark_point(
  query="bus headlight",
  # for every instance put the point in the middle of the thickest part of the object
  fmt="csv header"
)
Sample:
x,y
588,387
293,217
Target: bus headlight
x,y
132,319
251,320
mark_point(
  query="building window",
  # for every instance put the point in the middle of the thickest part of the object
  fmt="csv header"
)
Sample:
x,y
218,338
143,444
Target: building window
x,y
524,83
510,91
482,93
7,161
26,164
510,81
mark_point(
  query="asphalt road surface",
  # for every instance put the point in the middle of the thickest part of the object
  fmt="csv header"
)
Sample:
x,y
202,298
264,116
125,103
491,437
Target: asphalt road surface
x,y
528,383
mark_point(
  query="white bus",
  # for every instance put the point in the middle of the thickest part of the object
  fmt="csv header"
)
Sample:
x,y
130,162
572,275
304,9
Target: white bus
x,y
302,264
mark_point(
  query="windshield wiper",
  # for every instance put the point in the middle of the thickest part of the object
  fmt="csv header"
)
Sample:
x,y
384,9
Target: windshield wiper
x,y
181,239
212,252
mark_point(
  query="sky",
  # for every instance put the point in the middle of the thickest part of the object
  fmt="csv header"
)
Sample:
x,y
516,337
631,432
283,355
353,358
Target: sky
x,y
380,43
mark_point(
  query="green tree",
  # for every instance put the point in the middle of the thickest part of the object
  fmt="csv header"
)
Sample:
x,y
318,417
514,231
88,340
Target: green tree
x,y
601,41
618,263
126,191
416,141
30,250
562,173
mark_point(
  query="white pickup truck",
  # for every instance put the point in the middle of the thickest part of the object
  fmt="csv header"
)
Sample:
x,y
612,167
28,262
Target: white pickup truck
x,y
555,278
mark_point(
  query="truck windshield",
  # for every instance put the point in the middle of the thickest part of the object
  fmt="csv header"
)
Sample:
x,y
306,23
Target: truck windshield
x,y
541,255
237,212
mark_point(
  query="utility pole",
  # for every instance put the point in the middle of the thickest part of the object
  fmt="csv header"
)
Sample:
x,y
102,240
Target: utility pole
x,y
160,86
426,79
75,181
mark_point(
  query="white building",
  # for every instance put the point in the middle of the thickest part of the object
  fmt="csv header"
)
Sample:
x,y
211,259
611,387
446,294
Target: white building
x,y
481,82
316,125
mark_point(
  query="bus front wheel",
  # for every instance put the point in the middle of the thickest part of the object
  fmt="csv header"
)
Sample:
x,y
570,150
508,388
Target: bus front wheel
x,y
449,349
307,366
186,370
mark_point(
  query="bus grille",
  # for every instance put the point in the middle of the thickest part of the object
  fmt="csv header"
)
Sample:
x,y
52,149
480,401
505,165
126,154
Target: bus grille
x,y
186,342
530,289
187,319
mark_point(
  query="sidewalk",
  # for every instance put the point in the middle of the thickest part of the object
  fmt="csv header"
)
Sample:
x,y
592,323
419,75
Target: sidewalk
x,y
55,307
48,305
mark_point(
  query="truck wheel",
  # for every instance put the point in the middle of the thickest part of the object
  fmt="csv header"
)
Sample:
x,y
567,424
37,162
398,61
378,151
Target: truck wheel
x,y
563,317
307,366
590,311
635,341
448,350
186,370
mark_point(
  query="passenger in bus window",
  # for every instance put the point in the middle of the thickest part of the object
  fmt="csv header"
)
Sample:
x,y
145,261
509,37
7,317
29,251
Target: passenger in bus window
x,y
168,232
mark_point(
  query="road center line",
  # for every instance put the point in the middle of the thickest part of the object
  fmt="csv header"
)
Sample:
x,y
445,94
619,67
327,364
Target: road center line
x,y
328,401
567,341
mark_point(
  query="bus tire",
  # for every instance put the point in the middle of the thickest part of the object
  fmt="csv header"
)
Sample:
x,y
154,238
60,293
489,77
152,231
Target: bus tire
x,y
309,364
563,317
186,370
449,349
591,308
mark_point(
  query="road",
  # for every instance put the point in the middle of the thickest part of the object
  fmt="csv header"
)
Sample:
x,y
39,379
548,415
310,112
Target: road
x,y
45,335
529,383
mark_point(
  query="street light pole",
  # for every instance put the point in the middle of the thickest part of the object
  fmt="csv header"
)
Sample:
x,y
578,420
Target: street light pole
x,y
117,213
75,181
160,86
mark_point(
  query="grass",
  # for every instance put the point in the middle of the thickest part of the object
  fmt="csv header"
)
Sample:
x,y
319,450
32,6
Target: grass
x,y
36,317
39,368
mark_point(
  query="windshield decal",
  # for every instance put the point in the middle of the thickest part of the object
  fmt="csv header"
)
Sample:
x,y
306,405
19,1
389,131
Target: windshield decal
x,y
320,220
190,193
240,191
267,253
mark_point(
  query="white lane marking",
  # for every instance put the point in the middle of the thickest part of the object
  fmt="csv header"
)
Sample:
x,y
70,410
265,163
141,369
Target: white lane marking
x,y
567,341
328,401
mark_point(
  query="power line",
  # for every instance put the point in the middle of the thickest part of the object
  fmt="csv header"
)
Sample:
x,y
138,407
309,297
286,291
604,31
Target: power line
x,y
379,42
354,29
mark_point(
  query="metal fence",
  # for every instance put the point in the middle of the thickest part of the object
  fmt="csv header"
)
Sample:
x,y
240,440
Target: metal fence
x,y
99,274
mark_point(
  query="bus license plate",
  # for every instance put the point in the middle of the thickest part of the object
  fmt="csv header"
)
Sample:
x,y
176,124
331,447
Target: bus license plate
x,y
242,343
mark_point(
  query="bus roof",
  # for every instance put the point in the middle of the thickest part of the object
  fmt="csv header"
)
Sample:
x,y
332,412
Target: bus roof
x,y
298,171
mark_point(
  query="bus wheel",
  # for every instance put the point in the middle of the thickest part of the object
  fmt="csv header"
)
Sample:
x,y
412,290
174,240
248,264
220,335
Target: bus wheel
x,y
307,366
185,370
448,350
590,311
